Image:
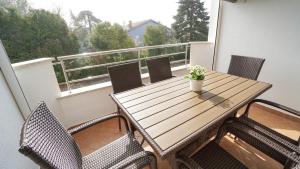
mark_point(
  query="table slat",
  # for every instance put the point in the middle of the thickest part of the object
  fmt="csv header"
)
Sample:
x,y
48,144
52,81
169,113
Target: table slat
x,y
172,110
186,115
163,98
185,99
183,131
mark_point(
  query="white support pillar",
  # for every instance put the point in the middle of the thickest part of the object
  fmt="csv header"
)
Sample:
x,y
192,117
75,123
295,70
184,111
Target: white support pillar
x,y
38,81
201,53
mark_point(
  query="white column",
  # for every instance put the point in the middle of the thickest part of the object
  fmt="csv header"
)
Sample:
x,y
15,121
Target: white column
x,y
201,53
38,81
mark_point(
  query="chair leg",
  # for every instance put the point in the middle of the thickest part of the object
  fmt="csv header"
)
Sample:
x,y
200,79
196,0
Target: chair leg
x,y
119,119
143,140
153,162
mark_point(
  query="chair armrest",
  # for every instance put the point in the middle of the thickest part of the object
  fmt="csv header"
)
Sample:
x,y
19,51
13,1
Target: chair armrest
x,y
272,134
96,121
273,104
187,162
254,138
134,158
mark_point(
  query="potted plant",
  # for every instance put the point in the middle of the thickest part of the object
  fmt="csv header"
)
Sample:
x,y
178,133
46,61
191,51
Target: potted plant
x,y
196,75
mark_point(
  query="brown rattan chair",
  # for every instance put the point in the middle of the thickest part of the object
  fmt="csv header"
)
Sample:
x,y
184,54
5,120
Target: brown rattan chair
x,y
278,137
273,145
247,67
46,142
212,156
125,77
159,69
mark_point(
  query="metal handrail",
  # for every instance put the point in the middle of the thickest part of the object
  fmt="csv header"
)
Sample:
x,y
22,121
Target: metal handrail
x,y
65,71
121,62
83,55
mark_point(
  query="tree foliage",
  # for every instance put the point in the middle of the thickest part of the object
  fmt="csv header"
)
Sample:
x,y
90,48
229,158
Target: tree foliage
x,y
157,35
82,25
51,36
21,6
39,33
191,21
106,36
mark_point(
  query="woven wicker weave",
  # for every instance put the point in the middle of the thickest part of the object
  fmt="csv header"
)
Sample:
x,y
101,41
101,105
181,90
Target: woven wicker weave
x,y
212,156
125,77
114,153
260,141
159,69
247,67
46,142
283,140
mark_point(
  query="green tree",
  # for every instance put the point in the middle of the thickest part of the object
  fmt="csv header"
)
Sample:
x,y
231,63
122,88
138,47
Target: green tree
x,y
191,21
21,6
50,34
82,25
106,36
156,35
37,34
14,34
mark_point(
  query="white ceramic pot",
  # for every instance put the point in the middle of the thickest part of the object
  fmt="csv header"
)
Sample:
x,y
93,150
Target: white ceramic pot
x,y
196,85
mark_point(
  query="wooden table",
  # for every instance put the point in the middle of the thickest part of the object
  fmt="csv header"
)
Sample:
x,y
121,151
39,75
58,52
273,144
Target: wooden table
x,y
170,116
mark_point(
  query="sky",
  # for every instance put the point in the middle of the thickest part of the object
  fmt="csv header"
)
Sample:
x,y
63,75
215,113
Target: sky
x,y
116,11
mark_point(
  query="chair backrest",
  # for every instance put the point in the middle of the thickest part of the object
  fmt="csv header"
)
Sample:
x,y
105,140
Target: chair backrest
x,y
247,67
46,142
159,69
125,77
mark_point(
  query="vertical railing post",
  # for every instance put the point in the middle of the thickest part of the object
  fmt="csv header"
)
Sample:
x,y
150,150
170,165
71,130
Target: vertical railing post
x,y
140,63
65,75
186,55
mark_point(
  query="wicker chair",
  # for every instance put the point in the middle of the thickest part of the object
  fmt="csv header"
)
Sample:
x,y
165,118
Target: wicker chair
x,y
125,77
247,67
271,145
46,142
159,69
285,141
212,156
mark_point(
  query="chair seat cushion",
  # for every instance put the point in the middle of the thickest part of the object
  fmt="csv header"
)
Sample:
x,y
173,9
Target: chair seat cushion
x,y
212,156
114,153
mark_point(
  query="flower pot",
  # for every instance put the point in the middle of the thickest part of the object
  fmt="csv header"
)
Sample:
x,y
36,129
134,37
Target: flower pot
x,y
196,85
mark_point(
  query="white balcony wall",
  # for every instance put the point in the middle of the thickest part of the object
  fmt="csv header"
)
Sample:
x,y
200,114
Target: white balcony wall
x,y
268,29
38,81
201,53
11,122
90,102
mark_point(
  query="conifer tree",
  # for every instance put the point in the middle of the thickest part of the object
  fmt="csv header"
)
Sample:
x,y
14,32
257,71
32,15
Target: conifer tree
x,y
191,21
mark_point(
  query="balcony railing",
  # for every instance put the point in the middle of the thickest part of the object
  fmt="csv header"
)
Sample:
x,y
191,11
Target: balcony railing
x,y
92,67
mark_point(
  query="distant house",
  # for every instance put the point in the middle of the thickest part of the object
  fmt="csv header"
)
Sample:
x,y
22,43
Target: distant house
x,y
137,30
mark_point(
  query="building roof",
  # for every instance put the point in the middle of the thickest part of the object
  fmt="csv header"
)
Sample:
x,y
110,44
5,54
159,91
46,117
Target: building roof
x,y
135,25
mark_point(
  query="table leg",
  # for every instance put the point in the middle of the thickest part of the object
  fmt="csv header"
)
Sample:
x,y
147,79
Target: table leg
x,y
172,161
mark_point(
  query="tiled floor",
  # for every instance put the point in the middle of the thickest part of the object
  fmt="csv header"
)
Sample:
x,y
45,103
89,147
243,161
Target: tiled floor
x,y
95,137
